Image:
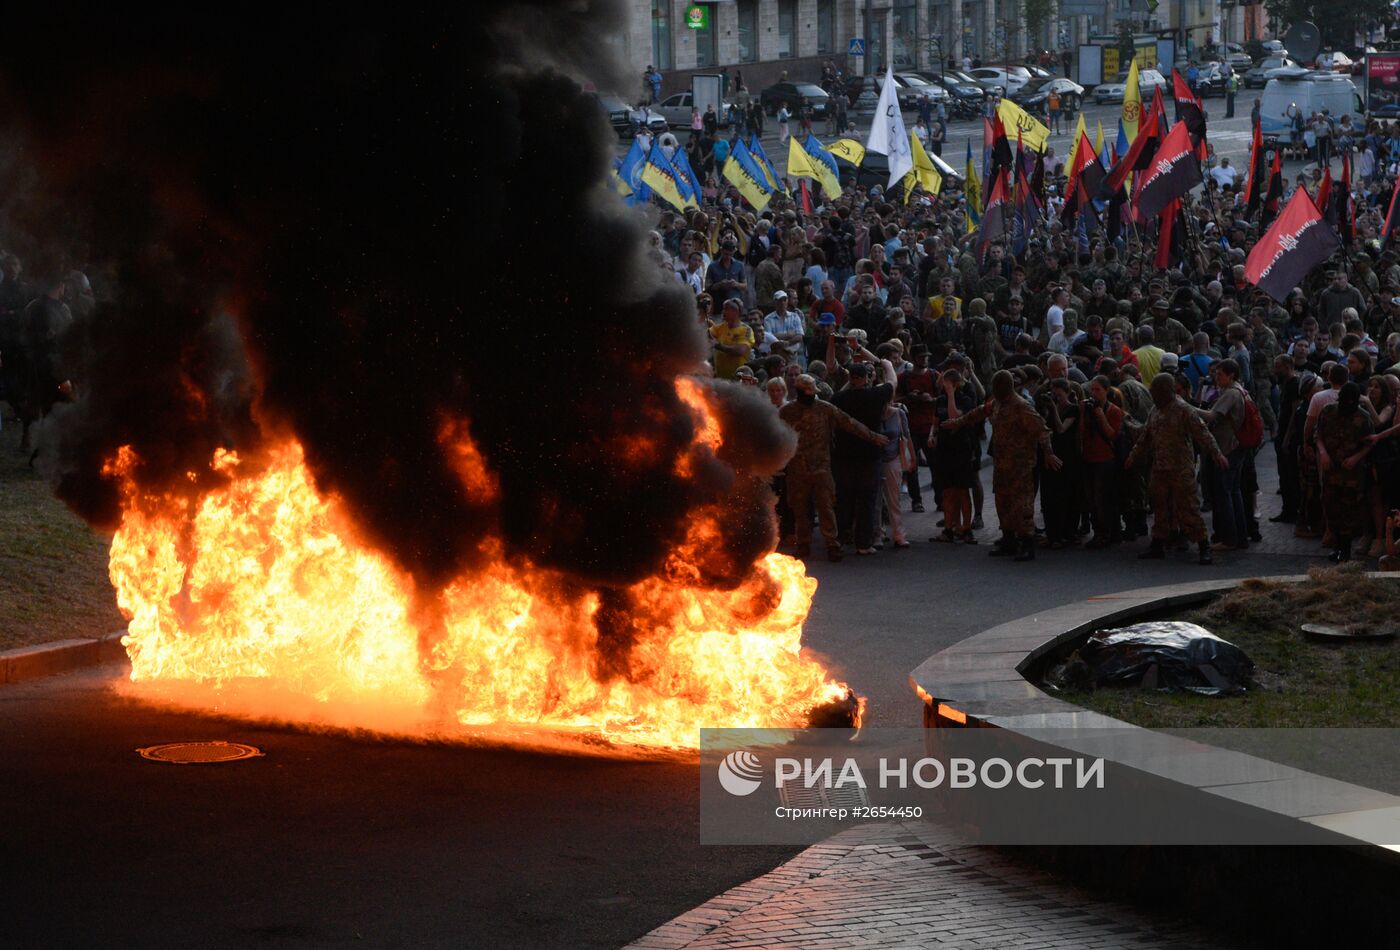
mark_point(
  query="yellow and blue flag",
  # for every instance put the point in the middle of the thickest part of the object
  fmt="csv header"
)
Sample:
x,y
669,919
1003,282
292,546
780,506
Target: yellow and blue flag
x,y
630,171
972,191
770,174
743,172
615,179
660,175
824,165
688,178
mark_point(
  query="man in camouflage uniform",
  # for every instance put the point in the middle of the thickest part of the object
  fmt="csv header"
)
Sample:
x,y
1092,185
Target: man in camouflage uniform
x,y
1017,432
1263,347
1168,332
1171,431
809,478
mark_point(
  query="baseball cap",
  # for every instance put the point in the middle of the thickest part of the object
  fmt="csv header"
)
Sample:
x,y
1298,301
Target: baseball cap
x,y
780,295
1169,361
826,320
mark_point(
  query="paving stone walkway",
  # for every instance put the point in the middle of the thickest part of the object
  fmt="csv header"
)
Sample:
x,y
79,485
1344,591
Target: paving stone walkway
x,y
914,884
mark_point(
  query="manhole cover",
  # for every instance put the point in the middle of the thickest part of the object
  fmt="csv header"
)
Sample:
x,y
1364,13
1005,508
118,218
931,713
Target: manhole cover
x,y
199,753
1322,631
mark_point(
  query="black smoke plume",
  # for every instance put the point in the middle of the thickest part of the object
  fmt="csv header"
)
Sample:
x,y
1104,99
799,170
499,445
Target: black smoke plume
x,y
358,234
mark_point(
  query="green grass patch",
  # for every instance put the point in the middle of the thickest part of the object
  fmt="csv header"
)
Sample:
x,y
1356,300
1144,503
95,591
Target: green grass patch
x,y
1298,682
53,567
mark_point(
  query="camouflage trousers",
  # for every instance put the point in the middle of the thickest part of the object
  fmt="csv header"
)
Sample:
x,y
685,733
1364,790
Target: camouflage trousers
x,y
1014,485
812,489
1261,391
1176,505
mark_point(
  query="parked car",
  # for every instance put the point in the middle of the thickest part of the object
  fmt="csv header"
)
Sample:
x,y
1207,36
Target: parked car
x,y
1210,80
998,79
1257,77
911,86
792,95
1148,80
1274,48
1333,62
675,110
875,170
957,88
626,120
1039,72
1034,93
1238,58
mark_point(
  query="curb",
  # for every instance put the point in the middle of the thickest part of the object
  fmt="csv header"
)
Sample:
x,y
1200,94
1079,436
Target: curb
x,y
61,656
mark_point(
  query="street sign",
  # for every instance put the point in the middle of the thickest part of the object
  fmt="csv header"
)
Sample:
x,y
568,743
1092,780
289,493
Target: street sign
x,y
856,48
697,16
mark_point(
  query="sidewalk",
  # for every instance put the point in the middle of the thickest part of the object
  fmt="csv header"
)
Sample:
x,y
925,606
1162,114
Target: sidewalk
x,y
914,885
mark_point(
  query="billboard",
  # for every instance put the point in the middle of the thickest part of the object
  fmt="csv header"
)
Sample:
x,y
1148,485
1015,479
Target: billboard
x,y
1383,85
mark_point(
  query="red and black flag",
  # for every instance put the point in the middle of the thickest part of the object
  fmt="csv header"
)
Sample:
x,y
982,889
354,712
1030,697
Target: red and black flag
x,y
1297,242
996,217
1343,213
1001,146
1390,219
1029,211
1323,198
1140,154
1085,178
804,196
1189,111
1172,173
1258,173
1171,238
1274,195
1038,177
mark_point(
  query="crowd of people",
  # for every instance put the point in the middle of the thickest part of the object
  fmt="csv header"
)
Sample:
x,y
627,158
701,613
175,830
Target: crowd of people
x,y
1129,399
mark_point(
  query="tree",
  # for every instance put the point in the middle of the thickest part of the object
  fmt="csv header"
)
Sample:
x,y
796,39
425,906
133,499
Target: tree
x,y
1037,13
1338,19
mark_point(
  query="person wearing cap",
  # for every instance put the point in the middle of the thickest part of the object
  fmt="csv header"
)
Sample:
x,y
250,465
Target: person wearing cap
x,y
787,327
1018,432
1168,332
733,341
810,482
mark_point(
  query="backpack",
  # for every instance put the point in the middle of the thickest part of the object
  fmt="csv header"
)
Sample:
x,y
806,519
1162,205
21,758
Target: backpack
x,y
1251,431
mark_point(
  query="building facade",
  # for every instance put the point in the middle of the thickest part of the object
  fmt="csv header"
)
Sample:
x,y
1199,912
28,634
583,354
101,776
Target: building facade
x,y
763,39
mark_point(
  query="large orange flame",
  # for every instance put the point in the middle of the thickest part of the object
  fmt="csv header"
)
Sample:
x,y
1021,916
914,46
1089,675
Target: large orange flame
x,y
262,579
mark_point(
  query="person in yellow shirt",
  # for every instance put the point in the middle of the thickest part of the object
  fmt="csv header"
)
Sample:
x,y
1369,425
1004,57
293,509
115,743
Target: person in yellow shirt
x,y
733,341
1149,355
933,309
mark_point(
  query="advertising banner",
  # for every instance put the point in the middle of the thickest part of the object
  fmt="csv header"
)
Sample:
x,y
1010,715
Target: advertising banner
x,y
1383,84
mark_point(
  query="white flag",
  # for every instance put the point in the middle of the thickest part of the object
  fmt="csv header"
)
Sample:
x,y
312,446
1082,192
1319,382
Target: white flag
x,y
887,135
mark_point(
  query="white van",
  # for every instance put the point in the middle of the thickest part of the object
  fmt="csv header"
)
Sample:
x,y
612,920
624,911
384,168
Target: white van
x,y
1313,92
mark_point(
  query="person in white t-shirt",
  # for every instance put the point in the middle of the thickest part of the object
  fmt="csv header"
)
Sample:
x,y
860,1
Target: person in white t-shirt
x,y
1055,316
1223,175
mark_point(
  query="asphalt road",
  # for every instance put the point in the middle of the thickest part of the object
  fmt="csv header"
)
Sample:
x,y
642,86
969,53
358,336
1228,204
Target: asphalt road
x,y
338,839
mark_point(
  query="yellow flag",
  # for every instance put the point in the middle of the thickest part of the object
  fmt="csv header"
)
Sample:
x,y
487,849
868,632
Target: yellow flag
x,y
798,164
749,187
664,185
1098,144
849,150
1081,131
1132,104
1034,135
924,173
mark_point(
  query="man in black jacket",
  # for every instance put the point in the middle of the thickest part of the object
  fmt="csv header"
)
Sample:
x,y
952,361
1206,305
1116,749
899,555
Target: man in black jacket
x,y
856,461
